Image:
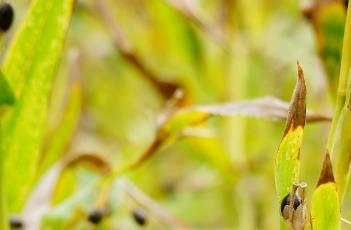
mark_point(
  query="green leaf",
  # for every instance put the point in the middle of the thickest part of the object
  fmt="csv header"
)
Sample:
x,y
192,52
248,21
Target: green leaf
x,y
29,66
287,165
6,94
325,210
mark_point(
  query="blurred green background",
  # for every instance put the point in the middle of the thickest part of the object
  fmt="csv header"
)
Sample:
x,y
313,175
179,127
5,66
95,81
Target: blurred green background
x,y
221,174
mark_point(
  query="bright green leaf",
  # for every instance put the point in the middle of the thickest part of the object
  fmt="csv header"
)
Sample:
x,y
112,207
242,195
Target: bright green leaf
x,y
29,67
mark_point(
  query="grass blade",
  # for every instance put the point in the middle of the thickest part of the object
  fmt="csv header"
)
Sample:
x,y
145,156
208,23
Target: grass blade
x,y
325,210
29,66
287,165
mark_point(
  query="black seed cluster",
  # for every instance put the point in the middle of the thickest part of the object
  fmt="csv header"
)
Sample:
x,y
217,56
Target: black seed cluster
x,y
6,16
286,201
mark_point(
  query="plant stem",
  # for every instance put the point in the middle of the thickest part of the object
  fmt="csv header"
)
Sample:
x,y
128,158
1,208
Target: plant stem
x,y
343,79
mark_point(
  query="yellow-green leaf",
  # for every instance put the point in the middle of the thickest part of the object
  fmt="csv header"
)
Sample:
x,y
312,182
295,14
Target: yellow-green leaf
x,y
29,67
325,210
287,164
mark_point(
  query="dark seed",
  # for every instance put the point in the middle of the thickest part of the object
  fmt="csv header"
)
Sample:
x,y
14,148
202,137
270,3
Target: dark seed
x,y
16,222
96,216
6,16
139,216
286,201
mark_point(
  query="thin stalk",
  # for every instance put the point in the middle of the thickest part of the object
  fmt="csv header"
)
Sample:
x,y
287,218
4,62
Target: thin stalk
x,y
339,144
343,79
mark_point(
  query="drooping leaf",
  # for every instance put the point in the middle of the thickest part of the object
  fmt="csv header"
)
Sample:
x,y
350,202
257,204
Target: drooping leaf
x,y
29,67
287,164
267,107
325,210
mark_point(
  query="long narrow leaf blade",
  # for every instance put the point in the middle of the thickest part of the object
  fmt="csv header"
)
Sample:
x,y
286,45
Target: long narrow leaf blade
x,y
29,67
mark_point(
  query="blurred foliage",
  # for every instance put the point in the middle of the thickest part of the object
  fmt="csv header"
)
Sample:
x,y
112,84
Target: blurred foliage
x,y
102,143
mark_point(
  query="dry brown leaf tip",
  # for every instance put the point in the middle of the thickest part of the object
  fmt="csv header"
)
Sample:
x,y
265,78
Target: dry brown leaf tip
x,y
327,172
297,109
